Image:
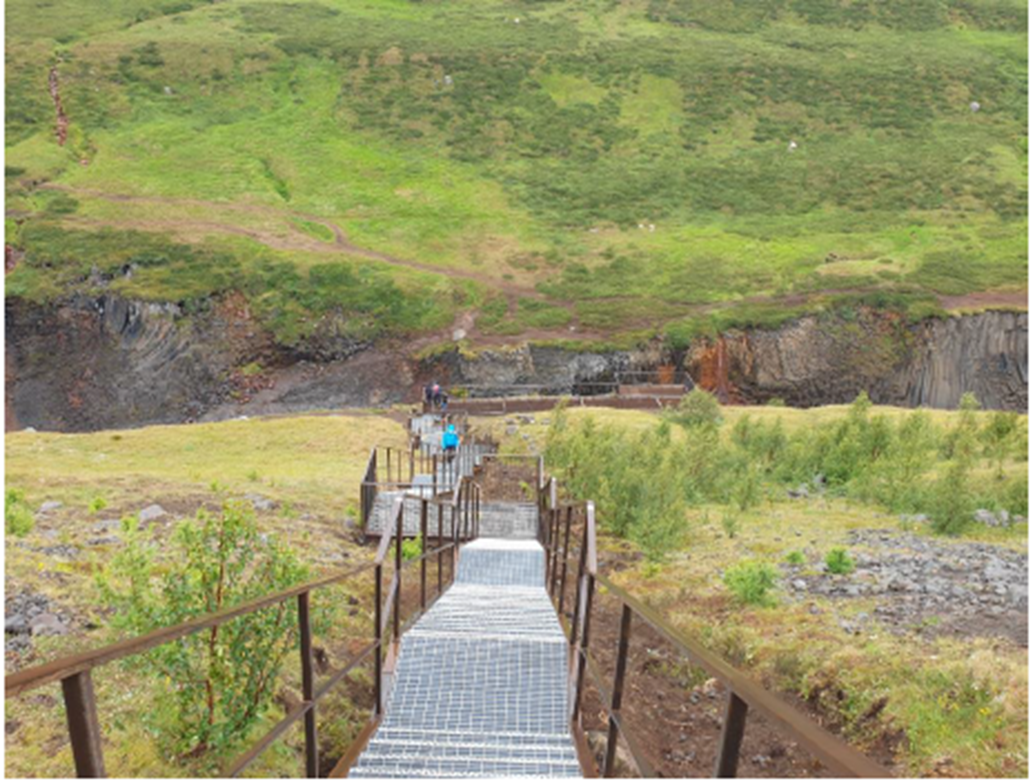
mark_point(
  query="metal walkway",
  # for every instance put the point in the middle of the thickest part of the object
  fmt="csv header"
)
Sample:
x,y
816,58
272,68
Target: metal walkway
x,y
480,688
428,428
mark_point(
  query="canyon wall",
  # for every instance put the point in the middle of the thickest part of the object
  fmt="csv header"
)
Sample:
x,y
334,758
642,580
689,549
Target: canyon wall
x,y
96,363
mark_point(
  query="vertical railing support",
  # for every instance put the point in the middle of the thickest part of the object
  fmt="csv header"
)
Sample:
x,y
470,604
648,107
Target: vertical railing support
x,y
397,603
439,547
616,694
83,727
580,659
732,734
379,636
578,585
305,637
423,551
555,538
564,561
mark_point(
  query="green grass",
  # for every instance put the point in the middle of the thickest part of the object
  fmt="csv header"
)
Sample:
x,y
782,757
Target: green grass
x,y
310,466
555,140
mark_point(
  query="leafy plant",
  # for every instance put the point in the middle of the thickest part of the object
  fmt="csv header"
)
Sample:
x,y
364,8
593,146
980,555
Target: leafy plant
x,y
412,548
225,676
698,409
839,561
750,582
99,503
951,503
18,517
795,558
730,524
998,434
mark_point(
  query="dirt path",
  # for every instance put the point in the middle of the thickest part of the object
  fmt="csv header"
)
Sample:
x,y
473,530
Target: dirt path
x,y
296,240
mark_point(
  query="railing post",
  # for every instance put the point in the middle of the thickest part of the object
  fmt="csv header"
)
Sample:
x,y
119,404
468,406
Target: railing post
x,y
411,465
397,603
389,453
616,694
555,549
305,637
580,659
434,475
439,547
578,584
732,734
423,551
564,561
378,575
83,727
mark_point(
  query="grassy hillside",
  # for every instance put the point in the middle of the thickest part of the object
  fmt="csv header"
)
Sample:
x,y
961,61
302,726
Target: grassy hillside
x,y
502,156
309,468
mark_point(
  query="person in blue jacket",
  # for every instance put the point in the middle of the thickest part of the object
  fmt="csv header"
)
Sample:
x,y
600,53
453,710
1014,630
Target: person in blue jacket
x,y
450,441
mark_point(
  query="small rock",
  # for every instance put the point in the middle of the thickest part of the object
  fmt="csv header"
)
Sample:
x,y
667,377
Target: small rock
x,y
848,627
103,541
800,585
260,503
986,517
48,624
15,624
50,505
151,513
511,430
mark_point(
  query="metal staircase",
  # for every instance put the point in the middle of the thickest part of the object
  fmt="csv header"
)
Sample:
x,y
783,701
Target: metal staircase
x,y
480,688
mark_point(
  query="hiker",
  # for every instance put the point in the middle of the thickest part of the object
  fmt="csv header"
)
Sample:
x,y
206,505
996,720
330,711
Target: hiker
x,y
427,397
450,442
436,394
444,402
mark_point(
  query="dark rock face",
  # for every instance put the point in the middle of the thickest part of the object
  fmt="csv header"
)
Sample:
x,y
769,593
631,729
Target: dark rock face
x,y
97,363
105,362
815,361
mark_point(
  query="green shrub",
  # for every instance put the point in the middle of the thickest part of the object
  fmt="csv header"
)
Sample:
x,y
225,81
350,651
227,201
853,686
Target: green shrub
x,y
839,561
951,505
795,558
1015,498
412,548
731,524
750,582
225,677
18,517
998,435
97,504
699,409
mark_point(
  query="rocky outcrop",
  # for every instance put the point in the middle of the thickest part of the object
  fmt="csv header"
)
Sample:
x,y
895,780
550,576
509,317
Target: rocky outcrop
x,y
535,369
96,363
103,362
822,360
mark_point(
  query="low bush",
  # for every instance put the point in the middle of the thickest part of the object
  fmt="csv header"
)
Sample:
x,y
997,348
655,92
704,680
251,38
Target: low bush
x,y
750,582
839,561
18,517
226,677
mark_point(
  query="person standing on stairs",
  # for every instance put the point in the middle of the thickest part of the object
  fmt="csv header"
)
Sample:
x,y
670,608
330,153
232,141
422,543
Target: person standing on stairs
x,y
450,442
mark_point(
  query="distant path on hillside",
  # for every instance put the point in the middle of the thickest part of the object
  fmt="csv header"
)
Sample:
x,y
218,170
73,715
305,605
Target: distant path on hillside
x,y
296,240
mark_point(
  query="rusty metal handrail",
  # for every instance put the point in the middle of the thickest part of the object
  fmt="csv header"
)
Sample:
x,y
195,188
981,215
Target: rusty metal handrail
x,y
75,671
555,523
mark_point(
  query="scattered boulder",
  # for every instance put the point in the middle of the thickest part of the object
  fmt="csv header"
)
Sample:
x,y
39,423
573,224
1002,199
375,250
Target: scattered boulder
x,y
15,623
992,518
48,624
49,506
151,513
260,503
